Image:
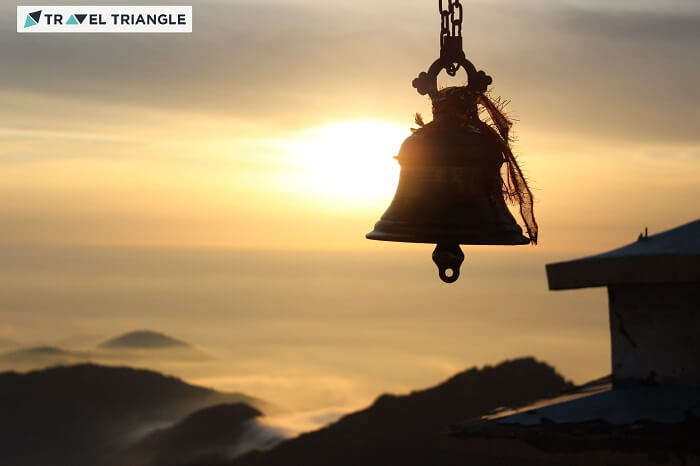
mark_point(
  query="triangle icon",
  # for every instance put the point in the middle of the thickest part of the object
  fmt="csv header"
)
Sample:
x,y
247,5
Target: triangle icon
x,y
36,16
72,20
80,18
29,22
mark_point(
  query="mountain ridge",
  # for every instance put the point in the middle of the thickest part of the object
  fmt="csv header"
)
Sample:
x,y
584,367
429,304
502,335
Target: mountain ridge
x,y
411,429
85,412
213,432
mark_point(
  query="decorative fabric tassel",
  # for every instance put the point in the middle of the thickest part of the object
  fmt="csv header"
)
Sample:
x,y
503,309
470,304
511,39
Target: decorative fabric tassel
x,y
515,188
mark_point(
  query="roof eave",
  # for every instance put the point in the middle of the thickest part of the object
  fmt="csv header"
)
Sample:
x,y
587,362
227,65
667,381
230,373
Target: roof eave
x,y
603,271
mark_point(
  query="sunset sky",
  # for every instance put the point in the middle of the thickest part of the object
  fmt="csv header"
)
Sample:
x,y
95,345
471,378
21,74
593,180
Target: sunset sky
x,y
272,128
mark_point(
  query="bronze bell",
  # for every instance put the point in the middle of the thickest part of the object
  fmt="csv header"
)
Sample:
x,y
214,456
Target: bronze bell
x,y
450,189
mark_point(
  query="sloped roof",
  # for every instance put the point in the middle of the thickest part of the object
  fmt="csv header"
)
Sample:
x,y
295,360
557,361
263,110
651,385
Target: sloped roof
x,y
670,256
597,416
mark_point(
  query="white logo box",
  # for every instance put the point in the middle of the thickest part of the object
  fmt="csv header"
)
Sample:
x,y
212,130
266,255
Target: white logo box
x,y
105,19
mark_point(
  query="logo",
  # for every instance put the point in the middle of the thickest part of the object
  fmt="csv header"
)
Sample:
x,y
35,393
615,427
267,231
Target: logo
x,y
32,19
76,19
110,19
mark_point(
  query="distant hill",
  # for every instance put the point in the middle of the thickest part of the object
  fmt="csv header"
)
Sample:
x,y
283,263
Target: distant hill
x,y
107,416
213,433
411,429
41,355
141,348
80,415
143,339
38,351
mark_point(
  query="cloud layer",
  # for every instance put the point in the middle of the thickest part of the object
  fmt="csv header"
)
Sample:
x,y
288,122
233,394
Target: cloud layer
x,y
627,71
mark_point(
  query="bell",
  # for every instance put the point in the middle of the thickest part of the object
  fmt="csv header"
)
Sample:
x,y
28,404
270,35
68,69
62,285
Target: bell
x,y
450,190
450,187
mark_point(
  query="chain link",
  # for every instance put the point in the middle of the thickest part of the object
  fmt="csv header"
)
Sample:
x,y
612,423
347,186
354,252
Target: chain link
x,y
456,13
444,21
450,26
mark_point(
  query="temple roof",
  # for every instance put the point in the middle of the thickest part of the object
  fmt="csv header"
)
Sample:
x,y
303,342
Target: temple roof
x,y
597,416
667,257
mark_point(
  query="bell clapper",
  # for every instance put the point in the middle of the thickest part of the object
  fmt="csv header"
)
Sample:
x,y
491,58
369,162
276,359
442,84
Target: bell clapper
x,y
448,258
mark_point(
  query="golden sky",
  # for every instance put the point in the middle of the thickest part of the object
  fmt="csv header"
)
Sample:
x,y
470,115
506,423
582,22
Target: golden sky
x,y
273,124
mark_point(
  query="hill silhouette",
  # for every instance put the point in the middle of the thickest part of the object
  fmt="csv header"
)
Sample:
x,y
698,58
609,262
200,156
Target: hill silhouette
x,y
116,416
38,351
82,414
42,356
143,339
140,348
411,429
217,432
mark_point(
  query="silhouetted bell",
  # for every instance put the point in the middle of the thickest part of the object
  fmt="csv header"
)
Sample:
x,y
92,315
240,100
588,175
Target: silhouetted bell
x,y
450,187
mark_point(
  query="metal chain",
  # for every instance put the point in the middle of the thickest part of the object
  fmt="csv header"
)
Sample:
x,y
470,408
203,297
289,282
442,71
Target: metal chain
x,y
450,26
456,18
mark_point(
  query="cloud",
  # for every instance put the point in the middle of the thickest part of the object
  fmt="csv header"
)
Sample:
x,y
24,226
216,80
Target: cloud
x,y
295,423
626,72
645,26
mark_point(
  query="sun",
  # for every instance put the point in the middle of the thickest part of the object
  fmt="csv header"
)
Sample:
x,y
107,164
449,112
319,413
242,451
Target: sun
x,y
352,159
